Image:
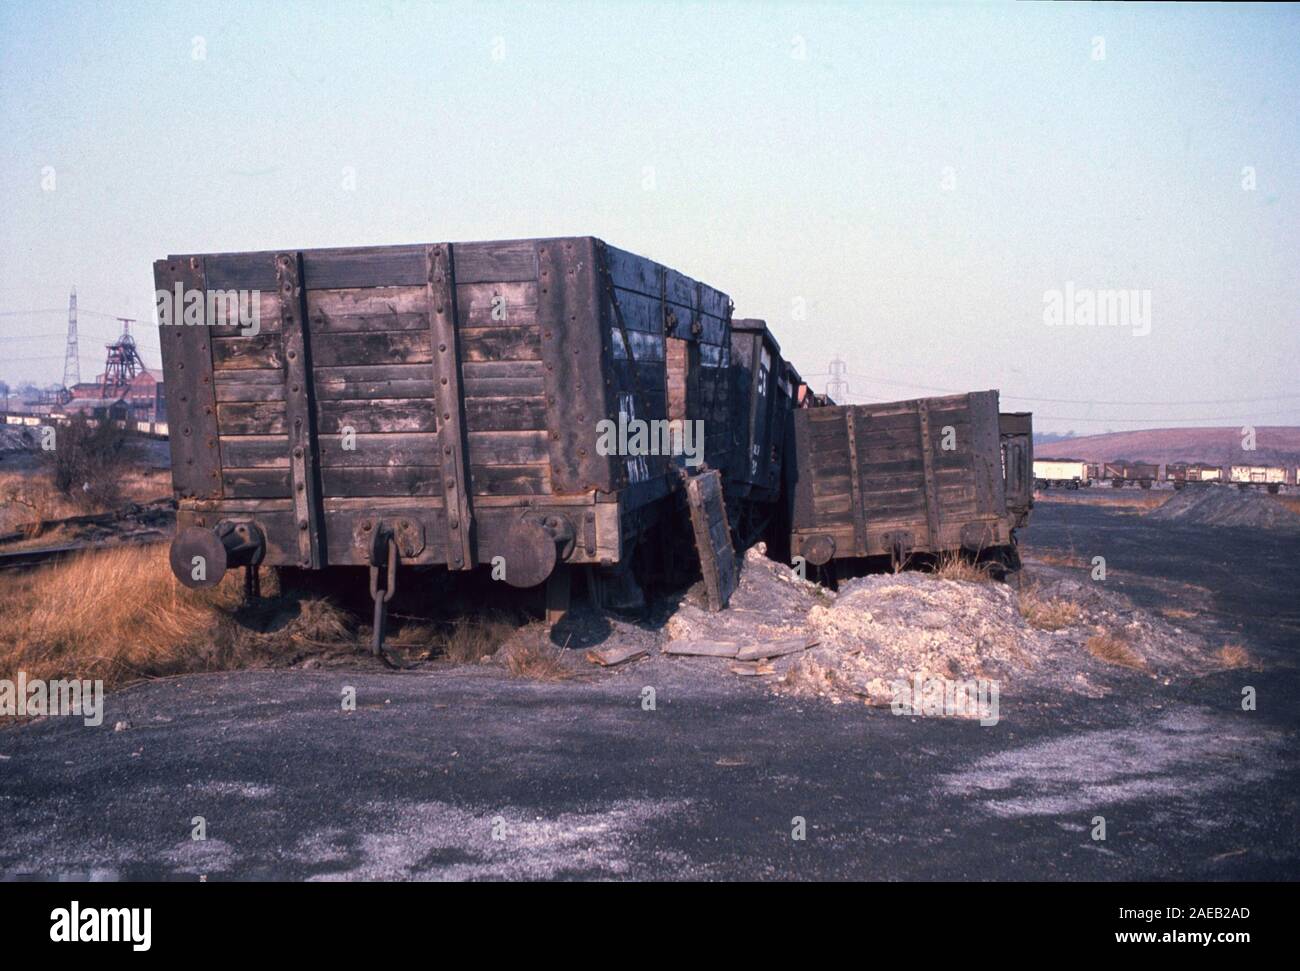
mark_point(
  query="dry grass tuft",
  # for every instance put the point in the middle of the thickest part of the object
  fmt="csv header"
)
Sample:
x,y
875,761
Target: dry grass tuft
x,y
472,639
119,615
319,622
1114,648
466,640
1234,656
116,615
954,566
533,658
1048,614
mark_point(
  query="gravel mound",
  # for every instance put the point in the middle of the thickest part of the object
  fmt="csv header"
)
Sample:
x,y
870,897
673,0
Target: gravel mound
x,y
882,630
1224,506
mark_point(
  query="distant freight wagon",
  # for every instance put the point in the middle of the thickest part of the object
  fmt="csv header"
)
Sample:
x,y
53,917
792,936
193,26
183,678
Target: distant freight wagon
x,y
1119,474
1270,477
1061,473
1182,473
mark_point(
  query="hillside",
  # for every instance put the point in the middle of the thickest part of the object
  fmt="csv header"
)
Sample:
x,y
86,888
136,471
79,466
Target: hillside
x,y
1274,445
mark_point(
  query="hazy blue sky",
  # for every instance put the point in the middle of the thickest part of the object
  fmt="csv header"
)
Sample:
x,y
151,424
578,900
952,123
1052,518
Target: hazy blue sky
x,y
917,175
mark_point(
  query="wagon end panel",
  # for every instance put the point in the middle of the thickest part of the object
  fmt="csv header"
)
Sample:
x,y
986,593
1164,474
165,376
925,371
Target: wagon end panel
x,y
187,360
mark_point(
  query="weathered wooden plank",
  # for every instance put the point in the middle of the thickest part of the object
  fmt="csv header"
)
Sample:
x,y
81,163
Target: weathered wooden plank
x,y
252,418
506,414
575,352
335,416
362,480
373,347
262,351
235,315
402,448
534,387
777,648
191,403
702,648
365,309
717,558
255,451
257,483
507,448
496,304
510,480
522,343
239,391
374,381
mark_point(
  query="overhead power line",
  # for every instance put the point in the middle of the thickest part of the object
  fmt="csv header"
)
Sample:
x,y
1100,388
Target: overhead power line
x,y
1067,401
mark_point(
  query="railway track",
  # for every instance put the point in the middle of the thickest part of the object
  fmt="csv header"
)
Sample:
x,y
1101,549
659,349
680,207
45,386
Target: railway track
x,y
151,522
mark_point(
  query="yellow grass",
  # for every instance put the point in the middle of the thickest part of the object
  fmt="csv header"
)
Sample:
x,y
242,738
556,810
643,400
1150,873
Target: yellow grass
x,y
1048,614
954,566
1114,648
465,641
1108,495
119,615
532,657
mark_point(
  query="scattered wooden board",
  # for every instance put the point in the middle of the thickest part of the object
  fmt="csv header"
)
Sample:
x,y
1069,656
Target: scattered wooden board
x,y
774,649
703,648
712,537
751,668
612,656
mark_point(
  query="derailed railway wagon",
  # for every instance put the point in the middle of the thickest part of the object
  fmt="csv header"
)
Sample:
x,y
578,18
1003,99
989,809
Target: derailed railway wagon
x,y
454,405
925,476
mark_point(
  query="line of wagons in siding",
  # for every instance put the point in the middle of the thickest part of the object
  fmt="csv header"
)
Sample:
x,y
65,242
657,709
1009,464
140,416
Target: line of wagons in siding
x,y
1076,474
536,410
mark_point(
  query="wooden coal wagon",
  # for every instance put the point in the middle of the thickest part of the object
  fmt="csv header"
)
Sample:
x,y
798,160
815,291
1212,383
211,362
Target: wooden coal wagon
x,y
438,405
926,476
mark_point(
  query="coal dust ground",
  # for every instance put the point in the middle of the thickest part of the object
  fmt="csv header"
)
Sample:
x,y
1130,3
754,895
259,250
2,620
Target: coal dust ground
x,y
466,773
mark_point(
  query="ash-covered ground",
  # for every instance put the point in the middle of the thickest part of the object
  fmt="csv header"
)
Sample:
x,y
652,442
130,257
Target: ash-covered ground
x,y
676,767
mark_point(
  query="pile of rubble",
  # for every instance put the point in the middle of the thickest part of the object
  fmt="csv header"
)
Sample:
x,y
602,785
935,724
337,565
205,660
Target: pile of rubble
x,y
883,630
1222,506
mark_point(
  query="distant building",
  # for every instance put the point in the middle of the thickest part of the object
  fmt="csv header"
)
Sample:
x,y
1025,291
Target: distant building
x,y
141,401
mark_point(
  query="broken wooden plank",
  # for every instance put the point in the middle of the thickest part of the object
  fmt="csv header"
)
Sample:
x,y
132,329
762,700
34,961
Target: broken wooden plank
x,y
750,669
774,649
699,648
712,537
612,656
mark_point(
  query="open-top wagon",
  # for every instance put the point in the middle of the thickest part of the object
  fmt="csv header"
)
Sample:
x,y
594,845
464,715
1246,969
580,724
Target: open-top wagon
x,y
522,406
